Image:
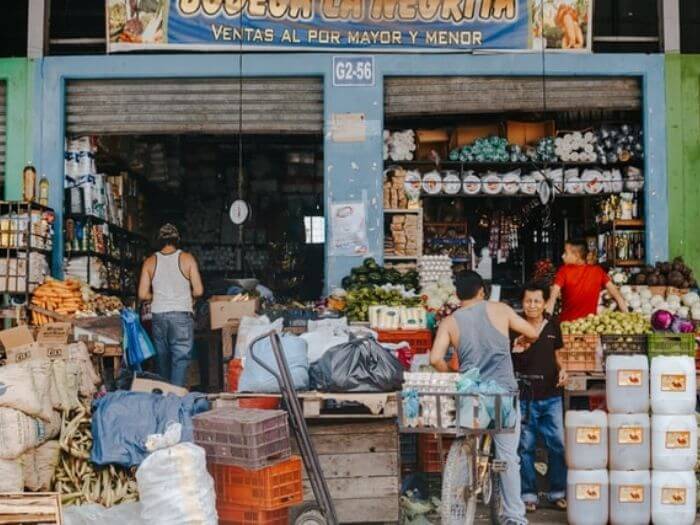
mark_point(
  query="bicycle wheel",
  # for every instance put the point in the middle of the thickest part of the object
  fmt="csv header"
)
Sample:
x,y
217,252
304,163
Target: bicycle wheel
x,y
458,504
495,502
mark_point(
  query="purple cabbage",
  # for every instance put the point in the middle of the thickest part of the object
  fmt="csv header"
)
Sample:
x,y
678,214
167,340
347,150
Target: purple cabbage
x,y
662,320
681,326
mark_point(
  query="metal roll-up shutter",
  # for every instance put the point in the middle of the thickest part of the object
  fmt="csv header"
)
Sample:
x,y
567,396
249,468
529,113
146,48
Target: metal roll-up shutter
x,y
455,95
3,135
181,106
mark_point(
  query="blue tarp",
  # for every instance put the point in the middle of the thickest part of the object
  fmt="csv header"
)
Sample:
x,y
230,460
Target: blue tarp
x,y
121,422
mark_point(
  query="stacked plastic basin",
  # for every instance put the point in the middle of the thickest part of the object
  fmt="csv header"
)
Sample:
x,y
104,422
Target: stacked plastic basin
x,y
674,435
249,456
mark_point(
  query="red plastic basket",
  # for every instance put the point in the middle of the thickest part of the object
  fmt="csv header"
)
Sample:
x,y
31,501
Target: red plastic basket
x,y
234,515
420,341
271,488
429,459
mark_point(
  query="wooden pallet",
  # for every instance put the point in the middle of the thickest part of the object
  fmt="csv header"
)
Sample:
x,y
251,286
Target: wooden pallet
x,y
360,461
314,404
20,508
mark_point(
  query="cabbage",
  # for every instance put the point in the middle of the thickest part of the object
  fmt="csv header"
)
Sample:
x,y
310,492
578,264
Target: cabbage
x,y
656,300
661,320
674,300
683,312
691,299
645,294
681,326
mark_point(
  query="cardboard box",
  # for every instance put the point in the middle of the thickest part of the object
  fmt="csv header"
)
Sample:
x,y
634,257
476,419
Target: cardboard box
x,y
223,310
523,133
140,384
466,135
50,343
428,141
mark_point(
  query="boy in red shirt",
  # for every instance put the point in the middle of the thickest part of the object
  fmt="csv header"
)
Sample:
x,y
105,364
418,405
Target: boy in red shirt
x,y
579,285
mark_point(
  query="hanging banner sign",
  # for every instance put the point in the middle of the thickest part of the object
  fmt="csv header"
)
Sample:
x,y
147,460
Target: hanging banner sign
x,y
352,25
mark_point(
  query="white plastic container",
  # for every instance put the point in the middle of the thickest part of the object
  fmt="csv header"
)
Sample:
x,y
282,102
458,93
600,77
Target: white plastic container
x,y
586,439
629,439
673,496
630,497
673,385
627,384
587,496
674,442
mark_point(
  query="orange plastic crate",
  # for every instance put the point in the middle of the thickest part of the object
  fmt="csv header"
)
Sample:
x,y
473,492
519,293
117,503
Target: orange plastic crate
x,y
429,459
580,353
271,488
234,515
420,341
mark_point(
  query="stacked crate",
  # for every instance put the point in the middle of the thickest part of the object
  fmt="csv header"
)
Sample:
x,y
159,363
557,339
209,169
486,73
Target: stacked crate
x,y
249,456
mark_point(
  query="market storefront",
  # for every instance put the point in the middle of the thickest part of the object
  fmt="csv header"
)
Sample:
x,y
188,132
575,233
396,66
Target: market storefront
x,y
353,170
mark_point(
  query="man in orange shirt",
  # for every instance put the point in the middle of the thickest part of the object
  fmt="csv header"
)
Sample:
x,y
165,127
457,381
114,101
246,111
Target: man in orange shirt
x,y
579,285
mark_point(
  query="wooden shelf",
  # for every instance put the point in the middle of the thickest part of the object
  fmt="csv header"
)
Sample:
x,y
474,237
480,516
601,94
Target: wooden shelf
x,y
621,224
632,263
399,210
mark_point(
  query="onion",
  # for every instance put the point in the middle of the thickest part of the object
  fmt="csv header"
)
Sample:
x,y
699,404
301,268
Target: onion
x,y
661,320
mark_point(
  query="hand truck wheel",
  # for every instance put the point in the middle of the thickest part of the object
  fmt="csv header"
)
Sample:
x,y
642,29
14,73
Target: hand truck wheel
x,y
310,515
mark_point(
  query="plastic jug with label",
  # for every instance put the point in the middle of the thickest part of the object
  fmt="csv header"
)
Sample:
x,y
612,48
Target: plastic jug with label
x,y
673,385
630,497
629,438
586,439
627,383
674,442
587,497
673,498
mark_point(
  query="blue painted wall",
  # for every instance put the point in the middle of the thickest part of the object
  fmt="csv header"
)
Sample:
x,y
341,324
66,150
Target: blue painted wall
x,y
354,171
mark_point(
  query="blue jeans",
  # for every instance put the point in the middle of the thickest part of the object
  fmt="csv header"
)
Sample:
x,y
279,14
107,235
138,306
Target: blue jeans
x,y
545,418
173,337
507,450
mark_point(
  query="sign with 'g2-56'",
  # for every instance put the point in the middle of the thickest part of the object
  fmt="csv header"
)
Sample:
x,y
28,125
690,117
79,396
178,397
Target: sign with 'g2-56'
x,y
353,70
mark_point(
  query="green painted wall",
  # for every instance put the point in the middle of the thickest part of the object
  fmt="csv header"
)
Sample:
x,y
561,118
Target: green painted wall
x,y
18,74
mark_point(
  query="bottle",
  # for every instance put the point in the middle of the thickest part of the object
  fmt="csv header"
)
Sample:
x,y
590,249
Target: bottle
x,y
28,182
44,191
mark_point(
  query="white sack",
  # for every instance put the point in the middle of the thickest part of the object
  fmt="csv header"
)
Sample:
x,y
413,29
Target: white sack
x,y
17,389
252,327
11,475
18,433
39,465
174,485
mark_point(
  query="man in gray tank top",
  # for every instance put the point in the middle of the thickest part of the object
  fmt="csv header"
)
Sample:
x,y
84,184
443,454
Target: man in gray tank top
x,y
479,332
170,280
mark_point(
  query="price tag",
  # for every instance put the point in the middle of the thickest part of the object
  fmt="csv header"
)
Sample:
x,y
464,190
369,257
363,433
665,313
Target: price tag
x,y
353,71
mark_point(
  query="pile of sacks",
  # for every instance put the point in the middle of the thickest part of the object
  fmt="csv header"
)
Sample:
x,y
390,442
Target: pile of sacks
x,y
32,395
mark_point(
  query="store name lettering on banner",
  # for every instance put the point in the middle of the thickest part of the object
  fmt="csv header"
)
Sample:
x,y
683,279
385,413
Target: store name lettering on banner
x,y
342,25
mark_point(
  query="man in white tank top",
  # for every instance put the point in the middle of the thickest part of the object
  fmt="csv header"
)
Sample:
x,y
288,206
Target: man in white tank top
x,y
170,280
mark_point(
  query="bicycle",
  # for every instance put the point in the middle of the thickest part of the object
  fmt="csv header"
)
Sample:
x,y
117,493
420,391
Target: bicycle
x,y
471,469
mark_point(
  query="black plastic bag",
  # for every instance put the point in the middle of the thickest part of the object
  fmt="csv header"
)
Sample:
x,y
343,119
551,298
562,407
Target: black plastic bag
x,y
360,365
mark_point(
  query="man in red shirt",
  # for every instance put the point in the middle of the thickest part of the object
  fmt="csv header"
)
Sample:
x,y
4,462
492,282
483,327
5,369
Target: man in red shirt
x,y
579,285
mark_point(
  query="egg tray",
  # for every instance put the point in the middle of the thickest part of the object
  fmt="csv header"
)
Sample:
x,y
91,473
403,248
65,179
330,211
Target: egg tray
x,y
580,353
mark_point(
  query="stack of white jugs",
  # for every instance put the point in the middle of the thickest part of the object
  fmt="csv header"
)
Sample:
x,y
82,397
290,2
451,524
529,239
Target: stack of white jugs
x,y
630,444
